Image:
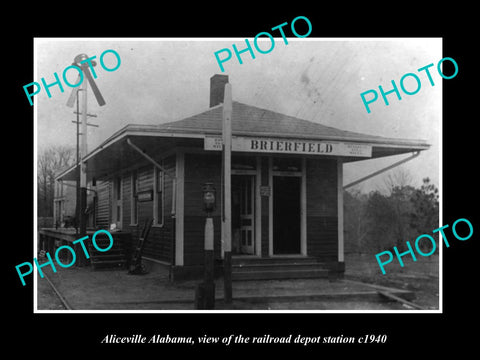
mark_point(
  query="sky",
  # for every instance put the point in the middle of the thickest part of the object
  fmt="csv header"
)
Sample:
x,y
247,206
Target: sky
x,y
316,79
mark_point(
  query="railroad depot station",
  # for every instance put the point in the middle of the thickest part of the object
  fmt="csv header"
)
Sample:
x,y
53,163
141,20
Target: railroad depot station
x,y
286,191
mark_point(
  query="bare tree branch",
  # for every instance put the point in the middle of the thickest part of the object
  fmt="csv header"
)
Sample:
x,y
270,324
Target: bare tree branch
x,y
49,163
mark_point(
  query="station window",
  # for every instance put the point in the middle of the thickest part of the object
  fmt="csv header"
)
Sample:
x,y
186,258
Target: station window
x,y
118,200
134,199
58,213
58,189
158,196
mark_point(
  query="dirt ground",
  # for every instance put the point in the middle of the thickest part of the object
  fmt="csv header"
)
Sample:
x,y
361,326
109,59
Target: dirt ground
x,y
84,288
421,277
46,297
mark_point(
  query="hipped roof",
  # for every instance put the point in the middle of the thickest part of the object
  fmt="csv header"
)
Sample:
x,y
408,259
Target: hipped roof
x,y
254,121
247,120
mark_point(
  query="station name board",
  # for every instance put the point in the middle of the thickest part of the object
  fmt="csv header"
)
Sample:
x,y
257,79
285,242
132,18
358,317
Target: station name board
x,y
290,146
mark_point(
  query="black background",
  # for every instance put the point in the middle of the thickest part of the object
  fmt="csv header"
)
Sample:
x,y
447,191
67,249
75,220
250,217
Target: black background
x,y
408,334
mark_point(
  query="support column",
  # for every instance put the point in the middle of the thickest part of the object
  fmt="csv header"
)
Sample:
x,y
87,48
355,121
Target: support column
x,y
340,209
227,197
270,207
258,208
179,207
303,209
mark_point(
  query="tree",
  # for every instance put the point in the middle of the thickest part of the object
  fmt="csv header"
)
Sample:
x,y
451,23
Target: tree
x,y
425,215
397,179
356,228
381,217
379,220
49,163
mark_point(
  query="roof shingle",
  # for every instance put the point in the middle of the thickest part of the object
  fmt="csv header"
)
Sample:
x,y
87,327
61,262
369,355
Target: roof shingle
x,y
251,120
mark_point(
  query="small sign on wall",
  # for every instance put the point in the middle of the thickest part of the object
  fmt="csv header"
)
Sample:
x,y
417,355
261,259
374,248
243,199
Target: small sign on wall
x,y
146,195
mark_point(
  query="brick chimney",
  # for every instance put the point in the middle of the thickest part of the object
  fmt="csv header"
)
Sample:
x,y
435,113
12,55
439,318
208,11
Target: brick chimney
x,y
217,89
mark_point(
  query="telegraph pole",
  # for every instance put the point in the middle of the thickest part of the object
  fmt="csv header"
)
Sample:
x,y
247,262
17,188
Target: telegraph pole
x,y
80,61
83,165
227,196
77,180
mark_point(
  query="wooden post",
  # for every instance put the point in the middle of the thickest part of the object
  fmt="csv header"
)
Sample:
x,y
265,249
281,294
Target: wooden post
x,y
83,149
77,184
83,171
227,196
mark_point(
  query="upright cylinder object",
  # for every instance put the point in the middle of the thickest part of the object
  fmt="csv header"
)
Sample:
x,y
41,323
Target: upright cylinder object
x,y
209,284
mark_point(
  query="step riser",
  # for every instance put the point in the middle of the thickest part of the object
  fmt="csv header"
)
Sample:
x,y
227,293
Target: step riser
x,y
262,261
106,245
276,267
272,275
108,258
112,258
109,252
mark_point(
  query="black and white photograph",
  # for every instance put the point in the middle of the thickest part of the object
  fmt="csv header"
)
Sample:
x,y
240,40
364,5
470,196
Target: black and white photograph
x,y
221,179
269,174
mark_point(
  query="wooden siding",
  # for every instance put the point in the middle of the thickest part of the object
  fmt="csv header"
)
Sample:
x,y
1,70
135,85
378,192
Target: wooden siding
x,y
126,193
159,243
322,218
103,204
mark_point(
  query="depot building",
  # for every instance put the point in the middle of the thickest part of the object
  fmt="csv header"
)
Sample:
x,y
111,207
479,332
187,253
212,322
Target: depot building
x,y
287,188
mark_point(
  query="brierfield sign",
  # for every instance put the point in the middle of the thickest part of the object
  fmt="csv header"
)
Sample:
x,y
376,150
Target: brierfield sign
x,y
290,146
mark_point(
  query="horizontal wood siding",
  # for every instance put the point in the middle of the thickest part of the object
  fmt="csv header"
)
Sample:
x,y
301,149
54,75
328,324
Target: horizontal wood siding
x,y
145,183
199,169
126,193
103,204
162,247
194,233
322,241
322,218
159,242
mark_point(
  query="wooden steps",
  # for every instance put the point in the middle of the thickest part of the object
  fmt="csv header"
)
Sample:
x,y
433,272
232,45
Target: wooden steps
x,y
277,268
116,257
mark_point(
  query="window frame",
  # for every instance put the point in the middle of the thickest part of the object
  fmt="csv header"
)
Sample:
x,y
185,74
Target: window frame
x,y
158,220
133,198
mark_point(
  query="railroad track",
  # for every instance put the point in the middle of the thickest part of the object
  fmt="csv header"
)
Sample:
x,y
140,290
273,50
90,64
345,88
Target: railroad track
x,y
59,294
